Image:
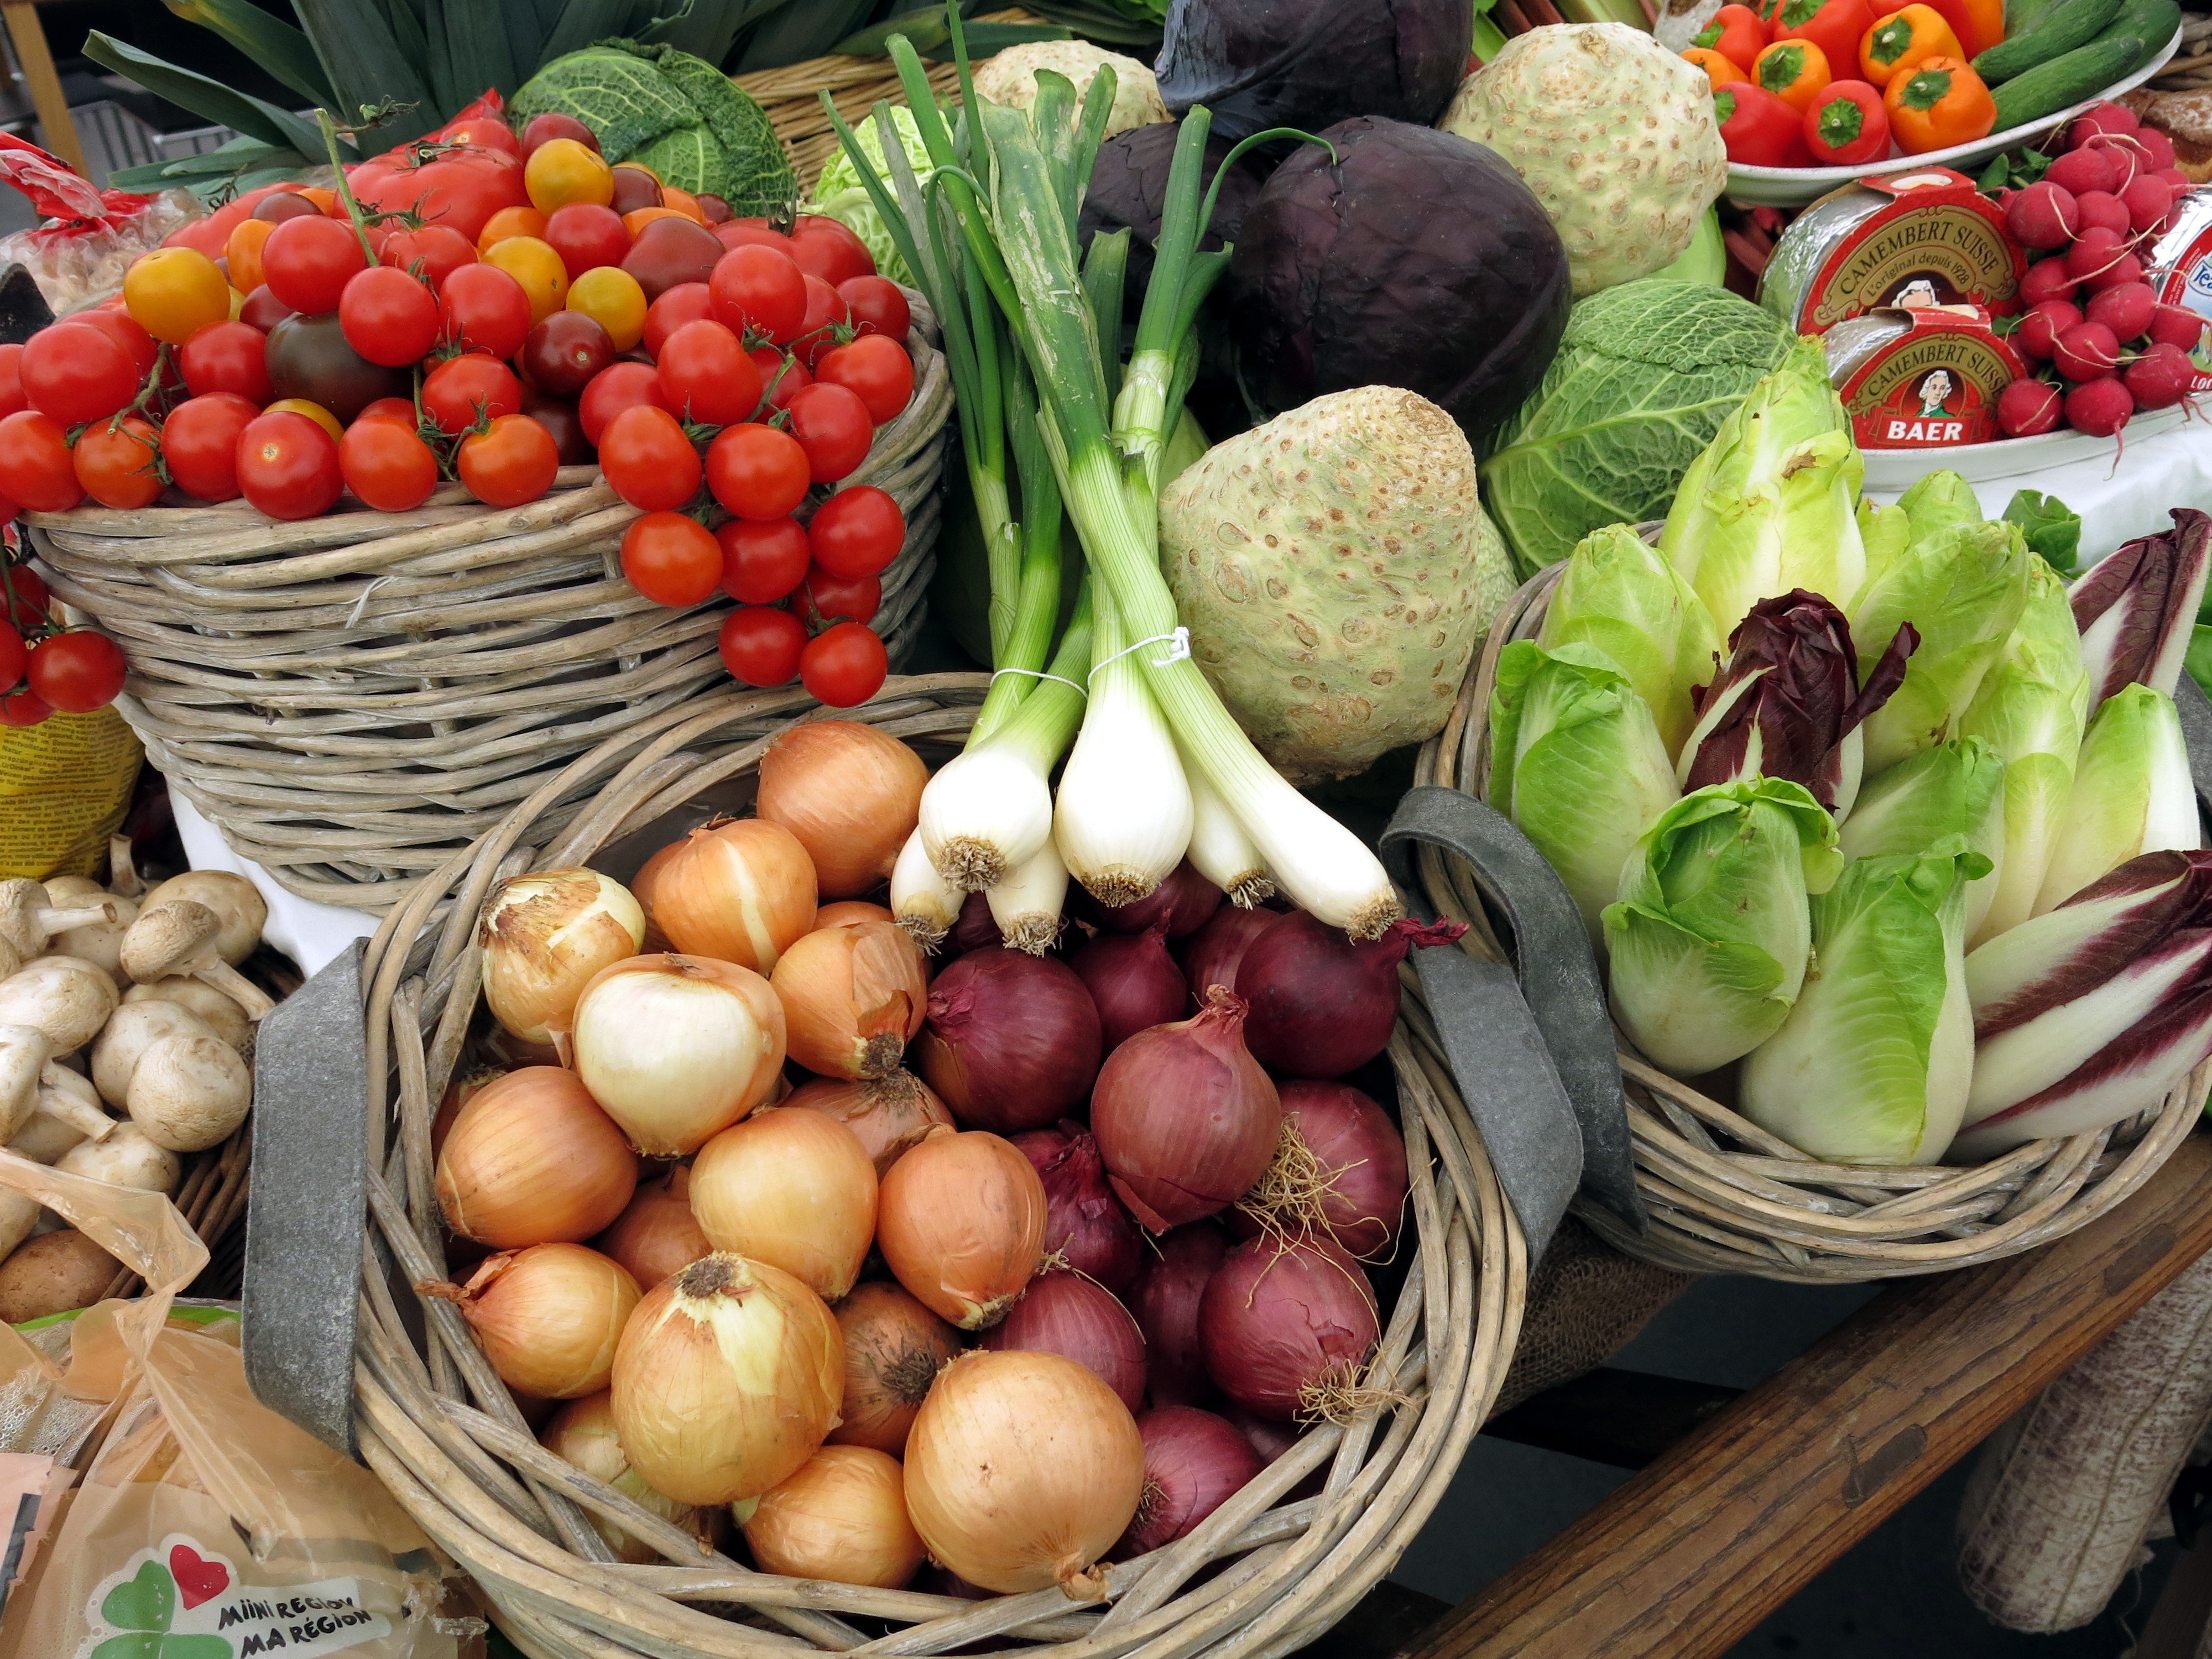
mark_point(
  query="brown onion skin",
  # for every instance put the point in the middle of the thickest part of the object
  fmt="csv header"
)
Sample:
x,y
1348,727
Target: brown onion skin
x,y
840,1518
849,791
1186,1119
1283,1316
641,888
532,1159
845,910
1212,955
894,1348
1066,1314
1185,900
699,905
1011,1041
658,1235
1321,1003
1165,1302
1365,1155
853,998
549,1317
1194,1462
960,1220
891,1114
1132,980
1085,1224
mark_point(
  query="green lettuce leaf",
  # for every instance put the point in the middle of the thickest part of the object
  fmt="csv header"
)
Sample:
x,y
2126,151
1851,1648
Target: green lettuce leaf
x,y
2132,794
1618,594
1956,788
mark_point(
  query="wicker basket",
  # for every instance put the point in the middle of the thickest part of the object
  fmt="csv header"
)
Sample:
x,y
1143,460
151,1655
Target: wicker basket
x,y
352,697
1725,1196
444,1434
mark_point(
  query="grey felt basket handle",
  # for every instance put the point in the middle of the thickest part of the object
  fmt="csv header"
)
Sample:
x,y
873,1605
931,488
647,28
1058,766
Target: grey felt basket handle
x,y
1553,1119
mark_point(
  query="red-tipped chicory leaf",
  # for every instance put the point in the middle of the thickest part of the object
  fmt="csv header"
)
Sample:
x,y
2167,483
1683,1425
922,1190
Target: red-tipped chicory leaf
x,y
2136,609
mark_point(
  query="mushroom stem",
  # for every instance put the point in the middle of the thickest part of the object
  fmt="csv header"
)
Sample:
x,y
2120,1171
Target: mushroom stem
x,y
235,986
53,920
65,1096
123,868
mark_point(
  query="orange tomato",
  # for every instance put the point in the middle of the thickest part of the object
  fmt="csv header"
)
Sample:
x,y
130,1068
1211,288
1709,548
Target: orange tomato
x,y
684,202
511,221
314,411
639,218
243,251
1720,69
534,265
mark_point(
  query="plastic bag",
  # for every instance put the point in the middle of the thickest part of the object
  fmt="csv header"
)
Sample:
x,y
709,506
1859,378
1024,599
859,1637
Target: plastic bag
x,y
89,237
207,1527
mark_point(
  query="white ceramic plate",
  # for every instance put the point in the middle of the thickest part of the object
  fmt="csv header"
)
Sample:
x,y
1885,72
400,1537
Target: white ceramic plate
x,y
2011,458
1794,186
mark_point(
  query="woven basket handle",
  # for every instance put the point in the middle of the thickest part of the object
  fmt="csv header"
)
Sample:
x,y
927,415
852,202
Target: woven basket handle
x,y
1552,1115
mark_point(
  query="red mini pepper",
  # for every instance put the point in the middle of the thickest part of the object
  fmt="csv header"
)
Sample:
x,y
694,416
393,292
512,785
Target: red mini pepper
x,y
1846,124
1834,26
1738,33
1758,129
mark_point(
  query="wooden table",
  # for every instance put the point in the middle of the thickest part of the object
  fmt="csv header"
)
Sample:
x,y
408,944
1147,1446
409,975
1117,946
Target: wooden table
x,y
1761,1494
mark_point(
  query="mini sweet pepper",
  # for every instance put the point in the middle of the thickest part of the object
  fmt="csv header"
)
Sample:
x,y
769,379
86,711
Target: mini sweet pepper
x,y
1757,129
1836,27
1979,24
1793,70
1845,125
1720,69
1903,39
1941,102
1737,33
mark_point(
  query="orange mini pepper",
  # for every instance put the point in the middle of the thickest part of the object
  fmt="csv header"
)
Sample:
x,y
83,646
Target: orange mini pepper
x,y
1719,68
1794,72
1939,103
1979,24
1903,39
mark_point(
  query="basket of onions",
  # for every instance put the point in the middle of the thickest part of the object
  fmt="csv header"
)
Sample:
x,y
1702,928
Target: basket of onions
x,y
784,1277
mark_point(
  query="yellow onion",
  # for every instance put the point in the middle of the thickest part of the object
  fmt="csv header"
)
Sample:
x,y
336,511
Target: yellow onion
x,y
675,1049
891,1114
545,936
894,1348
549,1317
725,1381
739,891
583,1432
794,1189
845,910
842,1517
459,1093
960,1220
1022,1471
850,792
657,1235
640,889
853,996
530,1160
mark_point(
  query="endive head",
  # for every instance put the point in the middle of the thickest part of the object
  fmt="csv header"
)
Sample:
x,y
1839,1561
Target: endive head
x,y
2132,794
1618,594
2136,609
1937,501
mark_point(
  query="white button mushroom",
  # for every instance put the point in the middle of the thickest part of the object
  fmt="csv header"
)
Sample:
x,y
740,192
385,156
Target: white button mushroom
x,y
135,1028
190,1092
241,911
224,1017
123,868
179,936
99,942
30,1082
65,997
27,922
43,1138
129,1157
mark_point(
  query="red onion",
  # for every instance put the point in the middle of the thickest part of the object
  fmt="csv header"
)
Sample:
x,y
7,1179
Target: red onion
x,y
1322,1003
1185,901
1165,1302
1194,1461
1066,1314
974,929
1186,1119
1132,980
1083,1219
1214,953
1271,1440
1285,1326
1011,1041
1339,1168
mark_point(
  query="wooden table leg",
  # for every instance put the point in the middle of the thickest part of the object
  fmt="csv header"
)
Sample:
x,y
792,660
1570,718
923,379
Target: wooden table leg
x,y
29,36
1687,1558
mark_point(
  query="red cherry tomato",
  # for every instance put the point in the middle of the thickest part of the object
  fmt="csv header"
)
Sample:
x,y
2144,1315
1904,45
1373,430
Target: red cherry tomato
x,y
781,374
671,560
225,357
26,605
832,426
34,463
844,664
761,646
554,125
818,329
288,466
434,252
115,461
24,707
687,302
11,383
756,471
876,305
386,466
400,410
564,353
668,252
558,417
648,460
200,440
462,391
76,673
307,262
823,598
586,235
511,462
14,655
488,130
263,310
759,287
706,377
459,189
119,326
829,249
75,372
485,310
613,389
876,370
763,562
388,317
857,532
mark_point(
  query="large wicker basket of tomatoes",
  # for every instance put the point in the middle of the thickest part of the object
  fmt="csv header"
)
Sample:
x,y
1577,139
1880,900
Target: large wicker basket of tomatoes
x,y
399,494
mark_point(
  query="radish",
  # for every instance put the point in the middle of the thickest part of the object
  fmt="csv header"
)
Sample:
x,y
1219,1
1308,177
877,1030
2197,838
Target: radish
x,y
2038,331
2123,268
2093,251
2126,310
2149,200
2042,216
2087,351
2100,209
2125,154
2177,325
2100,408
2027,408
2160,377
2097,119
2176,180
2045,279
2081,171
2158,149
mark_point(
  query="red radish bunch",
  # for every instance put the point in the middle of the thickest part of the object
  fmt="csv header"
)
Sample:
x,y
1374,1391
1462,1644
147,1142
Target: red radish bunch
x,y
2111,348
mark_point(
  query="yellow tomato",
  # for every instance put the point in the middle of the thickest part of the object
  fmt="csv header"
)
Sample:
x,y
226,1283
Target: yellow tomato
x,y
611,297
510,221
314,411
243,250
684,202
562,171
173,292
534,265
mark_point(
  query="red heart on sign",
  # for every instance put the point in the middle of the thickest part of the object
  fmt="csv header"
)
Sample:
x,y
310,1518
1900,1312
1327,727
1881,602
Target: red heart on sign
x,y
199,1579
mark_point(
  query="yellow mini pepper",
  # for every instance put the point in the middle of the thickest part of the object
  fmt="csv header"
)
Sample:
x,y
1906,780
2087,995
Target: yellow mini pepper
x,y
1719,68
1903,39
1794,72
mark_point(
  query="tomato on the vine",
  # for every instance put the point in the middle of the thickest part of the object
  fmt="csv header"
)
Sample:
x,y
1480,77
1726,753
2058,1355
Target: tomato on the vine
x,y
706,377
26,605
831,425
763,562
759,287
308,263
288,467
74,372
875,368
687,302
115,461
670,559
172,293
462,391
761,646
76,673
829,249
400,410
613,389
118,326
648,460
781,374
876,305
486,131
388,317
844,664
14,655
35,471
510,462
818,329
226,356
485,310
386,464
459,189
756,472
434,252
11,381
824,598
200,440
857,532
23,707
